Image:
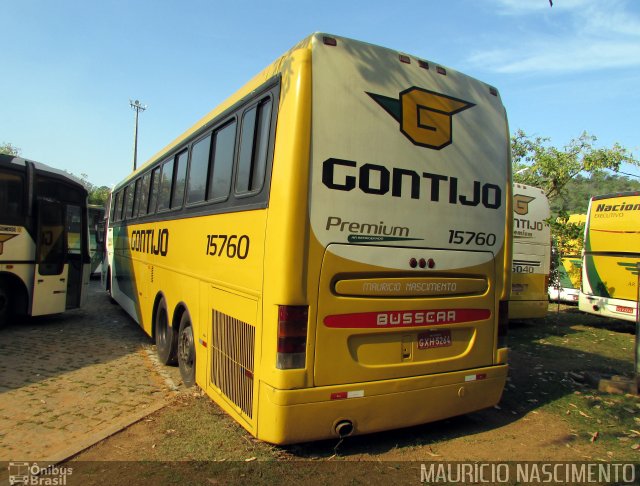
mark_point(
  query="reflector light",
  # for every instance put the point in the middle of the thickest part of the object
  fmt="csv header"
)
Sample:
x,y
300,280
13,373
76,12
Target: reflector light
x,y
423,64
329,41
493,91
404,59
413,263
292,337
431,263
423,263
441,70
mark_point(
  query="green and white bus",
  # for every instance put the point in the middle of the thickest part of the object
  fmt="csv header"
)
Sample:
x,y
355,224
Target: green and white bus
x,y
44,251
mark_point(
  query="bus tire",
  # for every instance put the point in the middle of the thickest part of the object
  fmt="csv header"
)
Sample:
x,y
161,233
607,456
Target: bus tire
x,y
5,305
186,351
166,338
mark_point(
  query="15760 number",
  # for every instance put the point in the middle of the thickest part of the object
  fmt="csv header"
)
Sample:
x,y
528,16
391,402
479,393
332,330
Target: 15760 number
x,y
459,237
231,246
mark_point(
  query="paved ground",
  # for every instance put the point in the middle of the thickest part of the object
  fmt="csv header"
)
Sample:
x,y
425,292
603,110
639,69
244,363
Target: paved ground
x,y
70,380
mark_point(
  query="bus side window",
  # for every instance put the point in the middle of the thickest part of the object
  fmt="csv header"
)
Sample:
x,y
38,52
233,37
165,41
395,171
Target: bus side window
x,y
254,143
166,180
123,203
118,206
198,170
222,162
144,194
112,207
136,200
128,201
11,196
181,175
153,191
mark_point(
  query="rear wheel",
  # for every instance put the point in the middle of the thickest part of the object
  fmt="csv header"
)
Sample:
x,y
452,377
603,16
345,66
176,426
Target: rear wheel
x,y
166,339
5,305
186,351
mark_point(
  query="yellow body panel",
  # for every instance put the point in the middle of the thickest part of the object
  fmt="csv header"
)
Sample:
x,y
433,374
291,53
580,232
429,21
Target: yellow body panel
x,y
611,257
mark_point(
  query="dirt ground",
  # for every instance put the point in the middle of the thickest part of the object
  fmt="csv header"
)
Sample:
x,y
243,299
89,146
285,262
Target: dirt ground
x,y
547,413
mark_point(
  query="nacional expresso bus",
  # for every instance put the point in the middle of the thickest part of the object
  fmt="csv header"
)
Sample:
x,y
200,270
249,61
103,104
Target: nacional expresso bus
x,y
329,251
611,256
44,258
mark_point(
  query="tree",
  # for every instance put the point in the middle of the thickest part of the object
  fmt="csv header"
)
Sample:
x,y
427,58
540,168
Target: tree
x,y
97,195
7,148
537,164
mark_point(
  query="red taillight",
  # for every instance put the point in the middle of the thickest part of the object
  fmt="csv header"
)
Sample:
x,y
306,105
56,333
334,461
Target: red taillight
x,y
503,323
292,336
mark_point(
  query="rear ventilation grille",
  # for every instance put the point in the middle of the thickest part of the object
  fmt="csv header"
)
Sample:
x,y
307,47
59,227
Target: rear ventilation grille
x,y
232,349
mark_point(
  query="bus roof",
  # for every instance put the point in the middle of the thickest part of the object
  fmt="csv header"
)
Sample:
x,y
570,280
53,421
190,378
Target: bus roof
x,y
246,91
615,194
19,163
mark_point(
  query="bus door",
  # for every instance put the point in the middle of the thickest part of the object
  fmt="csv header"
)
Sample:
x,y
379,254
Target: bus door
x,y
50,276
75,256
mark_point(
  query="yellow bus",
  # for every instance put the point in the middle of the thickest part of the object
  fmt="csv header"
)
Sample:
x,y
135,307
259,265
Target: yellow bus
x,y
328,252
568,256
44,259
611,255
531,253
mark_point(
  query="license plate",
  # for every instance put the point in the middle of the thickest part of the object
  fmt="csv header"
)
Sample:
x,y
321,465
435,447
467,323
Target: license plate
x,y
626,310
434,339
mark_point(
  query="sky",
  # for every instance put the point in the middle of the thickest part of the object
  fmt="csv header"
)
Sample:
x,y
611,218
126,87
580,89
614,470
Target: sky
x,y
72,66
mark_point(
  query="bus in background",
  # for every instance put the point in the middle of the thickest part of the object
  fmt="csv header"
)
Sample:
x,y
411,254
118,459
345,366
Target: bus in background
x,y
531,253
44,259
96,238
567,255
611,254
327,253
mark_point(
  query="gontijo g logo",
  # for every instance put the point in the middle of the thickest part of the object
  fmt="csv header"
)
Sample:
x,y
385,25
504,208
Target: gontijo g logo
x,y
521,204
425,116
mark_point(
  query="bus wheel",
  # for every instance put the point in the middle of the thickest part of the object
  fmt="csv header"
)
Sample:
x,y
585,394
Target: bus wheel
x,y
166,339
5,309
186,351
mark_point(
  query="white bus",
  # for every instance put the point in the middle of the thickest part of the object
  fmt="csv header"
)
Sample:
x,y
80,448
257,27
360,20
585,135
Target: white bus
x,y
44,256
531,253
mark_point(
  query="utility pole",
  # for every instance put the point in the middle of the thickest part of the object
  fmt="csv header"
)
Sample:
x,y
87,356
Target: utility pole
x,y
137,107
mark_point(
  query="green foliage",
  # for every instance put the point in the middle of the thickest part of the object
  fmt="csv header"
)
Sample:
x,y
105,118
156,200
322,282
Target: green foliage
x,y
538,164
7,148
575,198
569,177
97,195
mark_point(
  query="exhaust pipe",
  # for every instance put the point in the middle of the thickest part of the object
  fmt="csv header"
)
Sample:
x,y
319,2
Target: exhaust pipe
x,y
344,428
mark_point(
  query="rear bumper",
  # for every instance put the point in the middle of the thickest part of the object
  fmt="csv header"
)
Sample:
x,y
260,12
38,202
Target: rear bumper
x,y
614,308
528,309
291,416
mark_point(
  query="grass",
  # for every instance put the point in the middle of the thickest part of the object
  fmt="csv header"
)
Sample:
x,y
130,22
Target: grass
x,y
551,361
561,359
